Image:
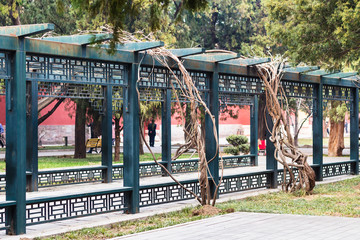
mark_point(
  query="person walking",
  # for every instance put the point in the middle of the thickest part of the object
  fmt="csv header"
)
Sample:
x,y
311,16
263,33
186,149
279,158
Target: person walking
x,y
2,136
152,132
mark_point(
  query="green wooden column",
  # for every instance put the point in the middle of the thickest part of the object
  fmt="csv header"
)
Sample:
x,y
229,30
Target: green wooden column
x,y
131,141
210,140
106,141
32,136
271,163
318,131
166,129
254,112
16,143
354,130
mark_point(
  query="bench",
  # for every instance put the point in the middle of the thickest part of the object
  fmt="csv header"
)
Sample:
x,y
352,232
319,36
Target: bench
x,y
93,143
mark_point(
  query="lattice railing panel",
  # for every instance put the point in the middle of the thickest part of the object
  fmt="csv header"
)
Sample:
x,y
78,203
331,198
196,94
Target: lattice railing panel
x,y
73,207
239,84
153,77
64,90
336,93
117,98
183,99
189,166
2,218
172,79
164,194
2,182
235,99
241,183
280,176
149,170
4,66
201,80
237,161
69,177
296,89
118,172
151,94
49,68
336,169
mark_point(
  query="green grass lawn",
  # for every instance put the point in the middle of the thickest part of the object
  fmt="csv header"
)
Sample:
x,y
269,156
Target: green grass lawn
x,y
309,141
335,199
50,148
90,160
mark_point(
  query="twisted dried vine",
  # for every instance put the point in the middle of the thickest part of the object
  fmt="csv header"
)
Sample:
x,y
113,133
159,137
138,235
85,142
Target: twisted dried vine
x,y
285,150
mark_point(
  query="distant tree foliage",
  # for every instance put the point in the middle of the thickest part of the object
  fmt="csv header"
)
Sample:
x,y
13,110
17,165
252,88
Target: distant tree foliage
x,y
119,12
319,32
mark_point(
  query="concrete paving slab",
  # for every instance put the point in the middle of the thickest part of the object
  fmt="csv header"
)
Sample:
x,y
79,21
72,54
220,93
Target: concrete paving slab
x,y
216,228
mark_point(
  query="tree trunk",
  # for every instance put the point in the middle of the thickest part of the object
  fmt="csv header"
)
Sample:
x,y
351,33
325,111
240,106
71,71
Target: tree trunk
x,y
214,20
261,118
14,13
117,139
296,126
187,122
336,139
80,120
141,142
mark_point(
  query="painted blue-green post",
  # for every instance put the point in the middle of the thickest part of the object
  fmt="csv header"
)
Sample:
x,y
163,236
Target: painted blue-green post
x,y
318,131
131,140
254,112
354,130
16,143
32,136
106,141
166,129
210,139
271,163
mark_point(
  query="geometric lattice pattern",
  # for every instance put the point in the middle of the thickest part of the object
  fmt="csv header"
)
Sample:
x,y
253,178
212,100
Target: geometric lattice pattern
x,y
226,99
336,93
49,68
45,211
61,90
4,66
180,166
280,176
2,218
153,77
2,182
118,171
151,95
336,169
237,161
4,72
170,193
149,169
244,182
62,177
239,84
296,89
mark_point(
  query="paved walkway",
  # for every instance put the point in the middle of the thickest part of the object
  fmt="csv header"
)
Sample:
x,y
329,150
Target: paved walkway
x,y
241,225
245,222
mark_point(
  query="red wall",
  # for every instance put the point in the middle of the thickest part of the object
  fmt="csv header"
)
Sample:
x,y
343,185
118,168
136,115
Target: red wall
x,y
62,117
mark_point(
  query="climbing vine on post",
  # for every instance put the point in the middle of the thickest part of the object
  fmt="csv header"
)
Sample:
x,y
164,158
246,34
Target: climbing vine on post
x,y
285,150
186,88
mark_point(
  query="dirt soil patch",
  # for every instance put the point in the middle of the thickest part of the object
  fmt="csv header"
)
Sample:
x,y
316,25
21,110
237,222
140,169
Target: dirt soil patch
x,y
206,210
